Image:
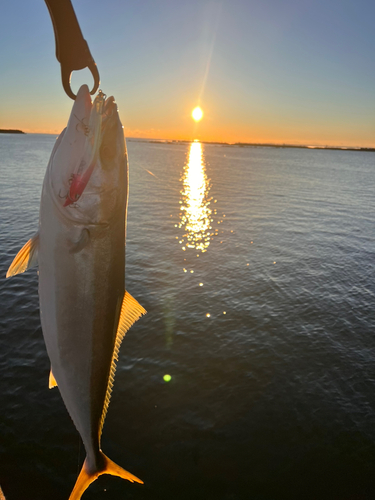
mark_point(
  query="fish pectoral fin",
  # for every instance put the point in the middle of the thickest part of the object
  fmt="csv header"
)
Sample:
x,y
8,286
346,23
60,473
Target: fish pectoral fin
x,y
52,381
83,241
85,478
26,258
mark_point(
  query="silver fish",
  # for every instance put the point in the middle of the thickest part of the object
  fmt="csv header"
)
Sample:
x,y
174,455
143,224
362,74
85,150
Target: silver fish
x,y
80,249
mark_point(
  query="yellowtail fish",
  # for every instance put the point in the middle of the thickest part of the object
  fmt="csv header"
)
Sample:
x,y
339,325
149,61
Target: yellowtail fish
x,y
80,250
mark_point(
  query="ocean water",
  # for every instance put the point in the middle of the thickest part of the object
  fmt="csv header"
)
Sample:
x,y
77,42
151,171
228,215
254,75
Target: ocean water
x,y
256,267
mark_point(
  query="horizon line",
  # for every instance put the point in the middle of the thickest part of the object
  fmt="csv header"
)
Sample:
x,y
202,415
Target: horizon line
x,y
223,143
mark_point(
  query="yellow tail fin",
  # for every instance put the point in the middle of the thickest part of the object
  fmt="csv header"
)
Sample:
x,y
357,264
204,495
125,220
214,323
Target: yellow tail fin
x,y
85,478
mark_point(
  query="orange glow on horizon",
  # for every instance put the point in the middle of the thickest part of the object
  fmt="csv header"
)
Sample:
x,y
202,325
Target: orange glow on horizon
x,y
227,136
213,129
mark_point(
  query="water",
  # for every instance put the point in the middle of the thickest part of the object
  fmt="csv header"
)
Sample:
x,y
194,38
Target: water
x,y
273,399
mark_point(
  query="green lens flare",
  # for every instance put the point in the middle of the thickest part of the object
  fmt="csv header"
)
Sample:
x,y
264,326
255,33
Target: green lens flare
x,y
167,378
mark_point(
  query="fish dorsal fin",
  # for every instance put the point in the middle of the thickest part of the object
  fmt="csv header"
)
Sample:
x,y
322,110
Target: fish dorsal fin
x,y
26,258
52,381
131,311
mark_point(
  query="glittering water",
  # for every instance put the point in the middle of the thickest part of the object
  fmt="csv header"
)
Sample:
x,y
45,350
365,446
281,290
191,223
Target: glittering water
x,y
195,215
256,266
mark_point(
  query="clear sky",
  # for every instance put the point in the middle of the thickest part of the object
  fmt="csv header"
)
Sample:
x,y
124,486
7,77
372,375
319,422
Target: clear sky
x,y
285,71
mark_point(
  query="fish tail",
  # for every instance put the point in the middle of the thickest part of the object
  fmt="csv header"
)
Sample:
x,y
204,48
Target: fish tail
x,y
85,478
115,470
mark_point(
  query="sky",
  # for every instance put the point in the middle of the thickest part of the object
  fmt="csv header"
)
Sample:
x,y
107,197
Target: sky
x,y
263,71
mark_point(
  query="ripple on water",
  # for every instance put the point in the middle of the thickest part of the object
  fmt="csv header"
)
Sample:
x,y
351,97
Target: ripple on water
x,y
273,399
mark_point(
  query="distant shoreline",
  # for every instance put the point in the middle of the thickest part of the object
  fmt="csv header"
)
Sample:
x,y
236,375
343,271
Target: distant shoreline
x,y
11,131
254,145
216,143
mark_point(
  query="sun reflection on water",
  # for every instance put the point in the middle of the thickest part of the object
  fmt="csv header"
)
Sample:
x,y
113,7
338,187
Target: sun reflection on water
x,y
196,214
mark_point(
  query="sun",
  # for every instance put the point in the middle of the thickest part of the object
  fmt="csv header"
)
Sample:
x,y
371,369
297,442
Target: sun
x,y
197,114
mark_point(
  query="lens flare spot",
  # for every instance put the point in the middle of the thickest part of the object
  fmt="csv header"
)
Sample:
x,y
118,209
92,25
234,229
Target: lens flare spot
x,y
167,378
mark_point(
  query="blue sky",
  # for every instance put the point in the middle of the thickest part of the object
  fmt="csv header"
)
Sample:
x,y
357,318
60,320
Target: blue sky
x,y
290,72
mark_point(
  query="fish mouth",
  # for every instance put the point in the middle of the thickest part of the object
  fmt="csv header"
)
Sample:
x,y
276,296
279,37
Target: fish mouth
x,y
89,155
101,112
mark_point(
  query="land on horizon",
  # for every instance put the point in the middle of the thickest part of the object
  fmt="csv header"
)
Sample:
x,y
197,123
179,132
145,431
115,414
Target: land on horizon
x,y
222,143
254,144
11,131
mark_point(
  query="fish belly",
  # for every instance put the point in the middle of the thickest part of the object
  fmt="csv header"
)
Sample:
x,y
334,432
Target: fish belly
x,y
80,298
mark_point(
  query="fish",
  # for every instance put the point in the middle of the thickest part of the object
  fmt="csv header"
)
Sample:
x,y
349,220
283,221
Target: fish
x,y
79,249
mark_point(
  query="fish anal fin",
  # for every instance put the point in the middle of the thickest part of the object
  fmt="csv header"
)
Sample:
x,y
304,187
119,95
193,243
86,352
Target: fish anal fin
x,y
85,478
26,258
131,311
52,381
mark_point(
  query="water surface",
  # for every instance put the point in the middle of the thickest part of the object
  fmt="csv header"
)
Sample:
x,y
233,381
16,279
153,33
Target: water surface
x,y
256,266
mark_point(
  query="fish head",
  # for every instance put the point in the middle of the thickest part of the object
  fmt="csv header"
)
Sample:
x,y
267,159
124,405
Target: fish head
x,y
87,173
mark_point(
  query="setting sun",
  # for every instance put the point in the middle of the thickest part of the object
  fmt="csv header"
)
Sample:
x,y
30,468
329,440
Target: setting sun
x,y
197,114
